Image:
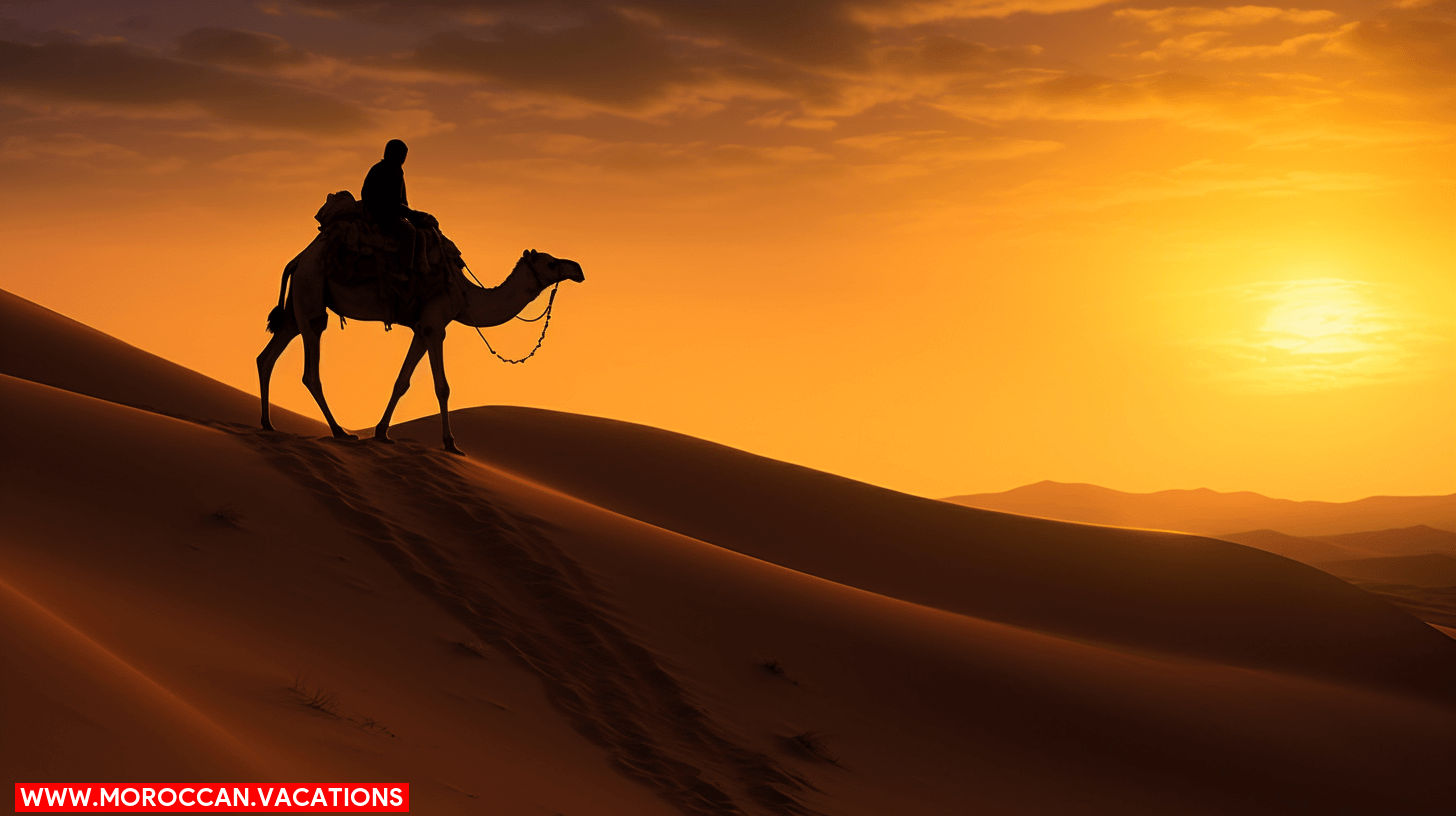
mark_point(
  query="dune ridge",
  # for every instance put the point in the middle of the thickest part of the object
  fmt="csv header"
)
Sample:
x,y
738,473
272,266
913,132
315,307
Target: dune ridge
x,y
43,346
185,553
1142,590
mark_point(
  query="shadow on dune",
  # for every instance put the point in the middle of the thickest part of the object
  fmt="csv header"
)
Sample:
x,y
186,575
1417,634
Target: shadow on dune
x,y
499,572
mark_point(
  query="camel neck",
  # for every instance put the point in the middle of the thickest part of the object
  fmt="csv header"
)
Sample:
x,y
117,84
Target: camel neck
x,y
494,306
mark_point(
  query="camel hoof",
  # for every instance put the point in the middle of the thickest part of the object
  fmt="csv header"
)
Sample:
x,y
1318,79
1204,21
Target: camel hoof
x,y
340,433
382,436
453,448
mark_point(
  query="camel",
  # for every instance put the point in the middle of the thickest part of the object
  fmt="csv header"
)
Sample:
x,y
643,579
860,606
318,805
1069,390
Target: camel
x,y
301,310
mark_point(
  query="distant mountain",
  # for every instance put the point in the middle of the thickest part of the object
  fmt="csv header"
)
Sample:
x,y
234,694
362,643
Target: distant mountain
x,y
1433,570
1306,550
1207,512
1416,540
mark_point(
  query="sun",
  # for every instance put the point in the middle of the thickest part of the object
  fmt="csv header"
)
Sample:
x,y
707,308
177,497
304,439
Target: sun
x,y
1313,334
1325,316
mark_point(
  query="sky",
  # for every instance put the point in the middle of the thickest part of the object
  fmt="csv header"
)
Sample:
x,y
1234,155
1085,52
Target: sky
x,y
943,246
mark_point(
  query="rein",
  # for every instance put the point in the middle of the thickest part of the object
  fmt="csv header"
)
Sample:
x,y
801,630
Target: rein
x,y
544,314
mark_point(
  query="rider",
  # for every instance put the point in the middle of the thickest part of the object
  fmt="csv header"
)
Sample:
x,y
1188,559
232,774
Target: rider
x,y
383,197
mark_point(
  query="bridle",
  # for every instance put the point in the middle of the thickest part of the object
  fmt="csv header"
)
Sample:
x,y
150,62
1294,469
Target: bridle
x,y
546,314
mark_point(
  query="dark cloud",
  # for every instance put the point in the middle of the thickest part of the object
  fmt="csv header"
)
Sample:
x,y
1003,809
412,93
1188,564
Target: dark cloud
x,y
608,59
945,54
826,54
809,32
243,49
802,32
419,13
114,75
1417,44
628,52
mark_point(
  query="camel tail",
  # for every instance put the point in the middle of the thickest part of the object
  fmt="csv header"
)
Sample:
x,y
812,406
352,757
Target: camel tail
x,y
279,312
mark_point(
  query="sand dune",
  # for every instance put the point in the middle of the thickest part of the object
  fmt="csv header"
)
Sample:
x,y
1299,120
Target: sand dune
x,y
592,617
1207,512
1433,570
1319,550
1139,589
1304,550
1435,605
1423,584
42,346
184,554
78,705
610,643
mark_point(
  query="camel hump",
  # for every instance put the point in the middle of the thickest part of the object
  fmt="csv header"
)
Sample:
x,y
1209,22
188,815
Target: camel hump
x,y
338,206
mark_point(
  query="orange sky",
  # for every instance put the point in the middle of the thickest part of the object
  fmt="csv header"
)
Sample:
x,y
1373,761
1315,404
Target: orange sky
x,y
945,246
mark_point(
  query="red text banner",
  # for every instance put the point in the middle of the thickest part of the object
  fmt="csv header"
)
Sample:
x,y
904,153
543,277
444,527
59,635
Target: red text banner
x,y
215,797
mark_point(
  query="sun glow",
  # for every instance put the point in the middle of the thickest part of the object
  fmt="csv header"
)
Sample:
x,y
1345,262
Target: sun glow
x,y
1316,334
1324,316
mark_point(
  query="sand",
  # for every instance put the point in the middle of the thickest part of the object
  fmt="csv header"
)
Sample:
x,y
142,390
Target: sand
x,y
599,618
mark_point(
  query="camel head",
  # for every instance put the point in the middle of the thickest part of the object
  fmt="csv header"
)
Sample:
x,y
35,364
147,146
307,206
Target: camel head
x,y
548,270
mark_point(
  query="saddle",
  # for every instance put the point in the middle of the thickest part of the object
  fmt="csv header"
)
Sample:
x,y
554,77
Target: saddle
x,y
359,251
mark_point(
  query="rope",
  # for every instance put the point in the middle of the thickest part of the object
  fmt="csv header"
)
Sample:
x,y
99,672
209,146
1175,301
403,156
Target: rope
x,y
546,313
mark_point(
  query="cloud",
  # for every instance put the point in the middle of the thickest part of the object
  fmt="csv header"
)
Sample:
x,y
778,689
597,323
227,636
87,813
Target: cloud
x,y
925,11
903,154
609,59
635,156
115,77
82,151
653,58
1167,19
66,146
1058,95
812,33
1201,46
645,66
935,54
836,35
1415,44
290,165
243,49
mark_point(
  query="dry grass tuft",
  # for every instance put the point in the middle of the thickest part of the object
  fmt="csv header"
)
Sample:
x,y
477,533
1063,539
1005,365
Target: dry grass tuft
x,y
774,667
472,647
228,517
315,697
810,745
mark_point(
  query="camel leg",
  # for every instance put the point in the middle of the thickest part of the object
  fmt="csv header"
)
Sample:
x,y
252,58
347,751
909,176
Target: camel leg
x,y
442,388
312,338
401,385
267,358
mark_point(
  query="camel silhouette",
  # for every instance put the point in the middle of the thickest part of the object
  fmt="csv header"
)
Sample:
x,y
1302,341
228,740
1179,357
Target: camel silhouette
x,y
301,310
